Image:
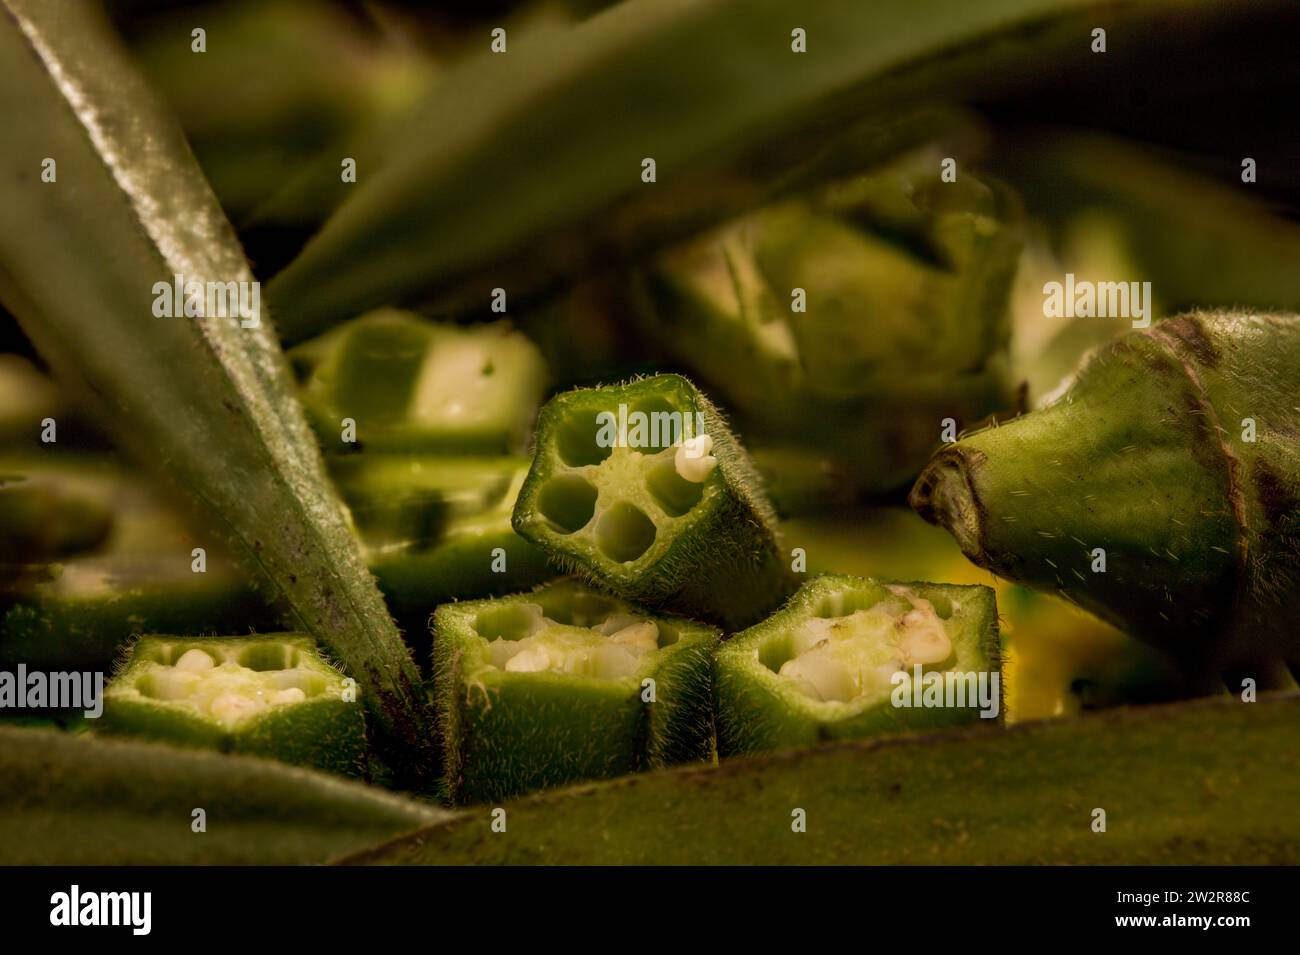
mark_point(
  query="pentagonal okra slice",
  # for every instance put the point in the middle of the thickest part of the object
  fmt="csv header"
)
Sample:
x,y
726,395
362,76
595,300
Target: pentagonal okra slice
x,y
268,695
566,683
642,488
850,657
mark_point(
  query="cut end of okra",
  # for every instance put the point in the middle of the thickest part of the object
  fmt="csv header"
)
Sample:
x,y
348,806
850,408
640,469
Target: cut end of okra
x,y
410,384
641,487
566,683
273,696
850,657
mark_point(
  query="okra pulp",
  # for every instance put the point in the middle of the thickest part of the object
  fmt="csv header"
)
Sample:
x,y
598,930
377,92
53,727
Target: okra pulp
x,y
850,657
269,695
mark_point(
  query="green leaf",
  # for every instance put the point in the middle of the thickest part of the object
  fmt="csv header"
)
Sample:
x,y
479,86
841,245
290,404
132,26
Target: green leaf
x,y
525,166
208,401
75,800
1180,784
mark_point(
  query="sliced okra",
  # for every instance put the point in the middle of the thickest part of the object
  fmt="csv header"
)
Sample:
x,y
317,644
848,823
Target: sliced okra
x,y
270,695
641,487
47,513
449,539
903,318
566,683
409,384
850,657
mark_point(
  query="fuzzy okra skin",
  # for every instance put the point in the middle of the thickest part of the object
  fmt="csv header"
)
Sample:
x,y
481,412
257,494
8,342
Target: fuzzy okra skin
x,y
1209,782
270,695
566,683
826,666
174,390
642,488
1160,491
84,799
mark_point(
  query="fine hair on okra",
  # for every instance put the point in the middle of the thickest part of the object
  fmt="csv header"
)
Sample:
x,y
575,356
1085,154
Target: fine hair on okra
x,y
565,683
643,489
849,657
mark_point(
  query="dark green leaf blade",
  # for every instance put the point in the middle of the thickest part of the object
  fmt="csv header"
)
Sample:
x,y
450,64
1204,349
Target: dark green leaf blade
x,y
527,165
207,401
76,800
1197,783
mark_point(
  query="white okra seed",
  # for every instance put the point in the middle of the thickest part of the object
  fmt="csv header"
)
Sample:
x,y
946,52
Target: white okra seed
x,y
194,661
692,459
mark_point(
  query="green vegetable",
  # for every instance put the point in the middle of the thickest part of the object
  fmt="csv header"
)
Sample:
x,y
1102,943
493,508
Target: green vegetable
x,y
641,487
174,390
848,657
47,513
1181,784
411,385
408,498
438,529
903,321
1160,491
79,613
566,683
738,118
1224,249
69,799
85,615
268,695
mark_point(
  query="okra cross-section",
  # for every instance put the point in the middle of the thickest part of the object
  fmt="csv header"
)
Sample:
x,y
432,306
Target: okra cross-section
x,y
268,695
565,683
850,657
642,488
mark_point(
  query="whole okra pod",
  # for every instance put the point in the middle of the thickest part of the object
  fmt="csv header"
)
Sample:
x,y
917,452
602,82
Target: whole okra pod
x,y
1160,491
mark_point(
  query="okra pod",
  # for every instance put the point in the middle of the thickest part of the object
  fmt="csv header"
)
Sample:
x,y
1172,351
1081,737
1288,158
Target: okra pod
x,y
405,384
642,488
566,683
850,657
271,695
46,515
856,318
1161,490
438,529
